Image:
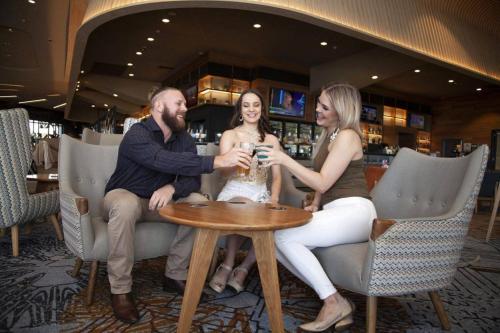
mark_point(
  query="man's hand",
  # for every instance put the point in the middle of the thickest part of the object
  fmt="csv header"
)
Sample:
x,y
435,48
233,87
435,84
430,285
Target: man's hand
x,y
161,197
234,157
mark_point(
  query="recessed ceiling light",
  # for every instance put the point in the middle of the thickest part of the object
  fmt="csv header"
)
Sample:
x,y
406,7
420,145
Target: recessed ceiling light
x,y
11,30
374,77
33,101
115,95
151,39
129,64
105,105
130,74
479,89
138,53
257,26
31,1
323,43
417,70
92,106
82,71
76,89
58,106
165,20
9,96
451,81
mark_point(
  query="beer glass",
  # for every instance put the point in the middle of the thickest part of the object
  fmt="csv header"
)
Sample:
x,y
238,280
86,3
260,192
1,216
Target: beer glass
x,y
262,158
249,148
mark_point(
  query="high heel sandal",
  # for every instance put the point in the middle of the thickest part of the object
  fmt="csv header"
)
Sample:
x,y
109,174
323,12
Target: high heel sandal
x,y
234,283
344,324
217,282
319,326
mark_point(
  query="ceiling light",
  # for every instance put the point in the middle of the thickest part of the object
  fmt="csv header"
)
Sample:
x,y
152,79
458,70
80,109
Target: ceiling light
x,y
165,20
151,39
9,96
257,26
76,89
130,74
78,82
11,30
374,77
479,89
115,95
53,95
8,89
34,101
138,53
105,105
451,81
323,43
31,1
92,106
129,64
417,70
58,106
82,71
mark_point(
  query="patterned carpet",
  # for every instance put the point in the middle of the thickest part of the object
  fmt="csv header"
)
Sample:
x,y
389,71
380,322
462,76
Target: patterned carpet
x,y
38,295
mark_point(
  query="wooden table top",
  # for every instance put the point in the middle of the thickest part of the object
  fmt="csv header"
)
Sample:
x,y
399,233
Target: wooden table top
x,y
222,215
44,177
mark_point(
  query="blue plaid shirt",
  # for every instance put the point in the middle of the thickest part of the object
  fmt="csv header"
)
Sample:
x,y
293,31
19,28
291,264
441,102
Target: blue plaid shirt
x,y
146,163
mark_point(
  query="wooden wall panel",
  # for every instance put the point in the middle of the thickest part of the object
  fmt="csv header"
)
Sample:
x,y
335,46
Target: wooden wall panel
x,y
469,118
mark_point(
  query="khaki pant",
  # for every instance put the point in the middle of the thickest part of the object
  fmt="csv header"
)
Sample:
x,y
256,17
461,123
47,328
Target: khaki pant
x,y
125,209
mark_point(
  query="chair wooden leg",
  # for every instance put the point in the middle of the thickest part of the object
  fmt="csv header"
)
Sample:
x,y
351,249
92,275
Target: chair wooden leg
x,y
92,279
57,226
14,234
76,268
438,305
371,314
493,214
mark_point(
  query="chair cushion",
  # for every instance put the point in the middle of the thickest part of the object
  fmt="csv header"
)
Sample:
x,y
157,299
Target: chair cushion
x,y
345,265
155,236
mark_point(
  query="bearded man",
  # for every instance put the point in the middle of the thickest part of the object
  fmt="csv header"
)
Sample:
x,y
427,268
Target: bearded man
x,y
157,163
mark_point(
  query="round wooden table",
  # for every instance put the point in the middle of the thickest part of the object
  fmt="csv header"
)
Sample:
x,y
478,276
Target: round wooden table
x,y
254,220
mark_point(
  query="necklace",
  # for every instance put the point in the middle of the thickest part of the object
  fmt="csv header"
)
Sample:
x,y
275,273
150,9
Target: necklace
x,y
334,134
251,134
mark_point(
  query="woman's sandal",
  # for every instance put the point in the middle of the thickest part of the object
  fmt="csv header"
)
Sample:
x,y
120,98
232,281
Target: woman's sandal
x,y
217,282
234,283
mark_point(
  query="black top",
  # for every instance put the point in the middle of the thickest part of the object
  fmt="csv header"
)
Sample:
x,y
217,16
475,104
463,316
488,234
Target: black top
x,y
146,163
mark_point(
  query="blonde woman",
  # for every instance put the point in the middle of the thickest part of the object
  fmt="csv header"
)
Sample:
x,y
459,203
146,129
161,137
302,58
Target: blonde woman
x,y
248,125
342,209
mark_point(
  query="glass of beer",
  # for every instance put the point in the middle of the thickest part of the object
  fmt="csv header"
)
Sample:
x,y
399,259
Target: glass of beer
x,y
249,148
262,158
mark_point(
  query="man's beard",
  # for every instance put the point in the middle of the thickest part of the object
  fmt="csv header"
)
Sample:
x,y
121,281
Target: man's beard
x,y
175,124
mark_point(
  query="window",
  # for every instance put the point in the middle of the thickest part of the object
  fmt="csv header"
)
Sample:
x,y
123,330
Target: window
x,y
43,129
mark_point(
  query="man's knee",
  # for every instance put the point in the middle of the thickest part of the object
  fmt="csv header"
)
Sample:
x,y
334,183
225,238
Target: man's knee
x,y
123,204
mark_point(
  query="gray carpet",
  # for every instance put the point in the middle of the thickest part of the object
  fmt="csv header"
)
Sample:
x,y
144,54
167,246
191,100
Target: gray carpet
x,y
38,295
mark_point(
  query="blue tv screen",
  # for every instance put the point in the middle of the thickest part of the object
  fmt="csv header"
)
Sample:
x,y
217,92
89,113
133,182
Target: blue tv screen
x,y
287,103
368,113
417,121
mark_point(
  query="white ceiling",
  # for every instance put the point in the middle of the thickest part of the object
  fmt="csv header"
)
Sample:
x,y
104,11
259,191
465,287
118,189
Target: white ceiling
x,y
33,54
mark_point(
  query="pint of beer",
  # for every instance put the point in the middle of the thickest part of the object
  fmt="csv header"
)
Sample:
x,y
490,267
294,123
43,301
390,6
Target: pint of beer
x,y
249,148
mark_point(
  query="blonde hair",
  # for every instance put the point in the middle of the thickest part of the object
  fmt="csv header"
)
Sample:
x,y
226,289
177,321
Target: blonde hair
x,y
346,101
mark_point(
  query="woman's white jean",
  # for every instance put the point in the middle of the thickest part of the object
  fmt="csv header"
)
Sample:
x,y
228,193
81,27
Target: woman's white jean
x,y
342,221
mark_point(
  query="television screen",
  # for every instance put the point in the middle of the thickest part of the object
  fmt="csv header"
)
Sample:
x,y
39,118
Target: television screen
x,y
287,103
417,121
368,113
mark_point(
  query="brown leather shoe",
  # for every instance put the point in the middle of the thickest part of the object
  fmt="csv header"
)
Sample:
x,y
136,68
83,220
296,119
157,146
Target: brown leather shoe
x,y
124,308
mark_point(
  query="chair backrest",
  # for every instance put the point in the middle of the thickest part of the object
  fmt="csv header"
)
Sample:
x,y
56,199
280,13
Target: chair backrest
x,y
103,139
85,169
417,185
15,160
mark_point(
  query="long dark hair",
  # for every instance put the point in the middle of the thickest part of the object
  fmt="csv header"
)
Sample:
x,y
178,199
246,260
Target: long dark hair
x,y
263,125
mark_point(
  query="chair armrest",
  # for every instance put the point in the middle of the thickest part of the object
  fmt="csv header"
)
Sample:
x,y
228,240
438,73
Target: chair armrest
x,y
379,227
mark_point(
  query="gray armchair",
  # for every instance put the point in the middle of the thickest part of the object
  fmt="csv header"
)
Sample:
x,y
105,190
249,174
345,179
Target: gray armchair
x,y
103,139
430,202
17,206
84,170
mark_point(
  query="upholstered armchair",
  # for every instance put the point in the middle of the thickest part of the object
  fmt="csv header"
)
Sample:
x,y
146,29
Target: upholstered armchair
x,y
424,205
104,139
17,206
84,170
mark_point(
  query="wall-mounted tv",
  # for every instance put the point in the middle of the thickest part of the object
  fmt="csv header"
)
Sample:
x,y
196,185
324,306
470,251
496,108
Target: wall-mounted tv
x,y
417,121
287,103
368,113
